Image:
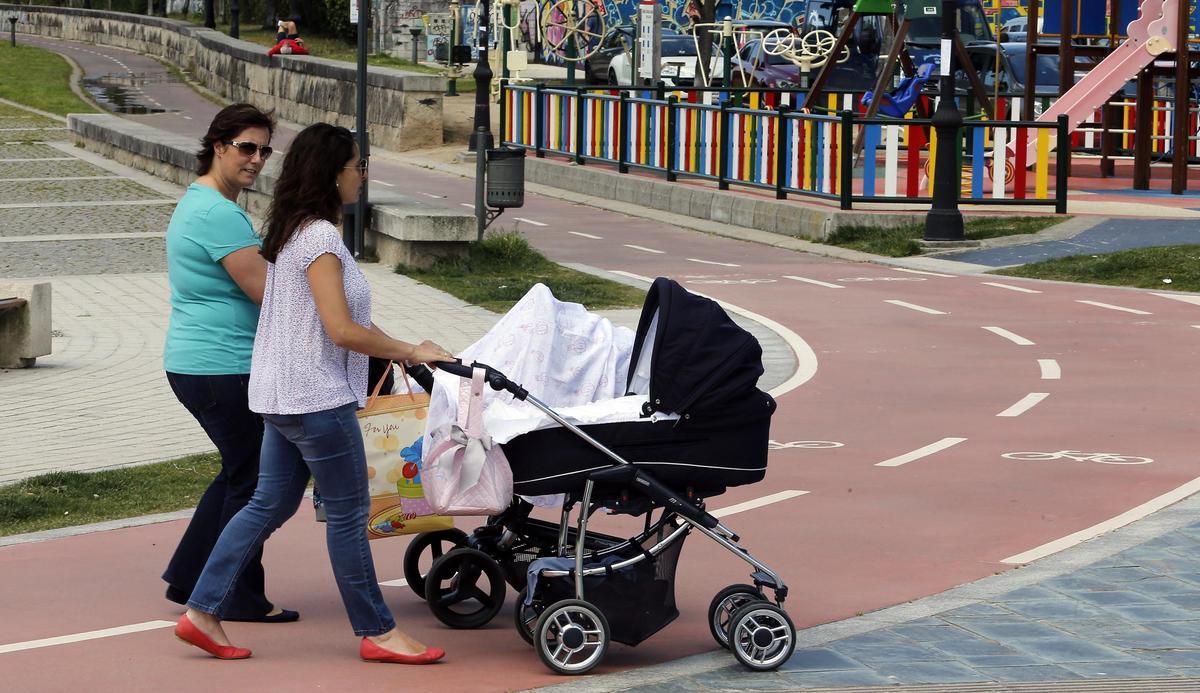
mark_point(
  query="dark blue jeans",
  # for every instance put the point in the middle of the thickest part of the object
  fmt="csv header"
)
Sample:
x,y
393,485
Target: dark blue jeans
x,y
218,402
326,445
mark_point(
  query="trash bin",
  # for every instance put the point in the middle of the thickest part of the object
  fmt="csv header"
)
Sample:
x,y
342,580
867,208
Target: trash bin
x,y
505,177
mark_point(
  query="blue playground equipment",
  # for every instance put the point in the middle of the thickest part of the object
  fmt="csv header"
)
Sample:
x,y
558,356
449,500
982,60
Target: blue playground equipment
x,y
900,100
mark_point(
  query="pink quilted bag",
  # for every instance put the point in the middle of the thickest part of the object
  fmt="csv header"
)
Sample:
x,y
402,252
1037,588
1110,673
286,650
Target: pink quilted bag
x,y
466,474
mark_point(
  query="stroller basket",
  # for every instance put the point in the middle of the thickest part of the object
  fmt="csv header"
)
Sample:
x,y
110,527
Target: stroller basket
x,y
638,599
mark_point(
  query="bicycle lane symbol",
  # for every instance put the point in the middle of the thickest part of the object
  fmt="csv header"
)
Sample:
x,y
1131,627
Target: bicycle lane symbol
x,y
803,444
1078,456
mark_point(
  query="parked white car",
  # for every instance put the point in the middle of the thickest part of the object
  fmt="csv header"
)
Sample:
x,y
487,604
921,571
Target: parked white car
x,y
677,66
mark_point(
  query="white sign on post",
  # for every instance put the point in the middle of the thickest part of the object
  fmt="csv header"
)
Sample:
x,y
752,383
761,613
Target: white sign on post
x,y
649,41
354,11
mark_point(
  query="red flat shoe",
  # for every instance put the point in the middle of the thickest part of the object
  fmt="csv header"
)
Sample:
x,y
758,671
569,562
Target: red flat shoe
x,y
370,652
187,631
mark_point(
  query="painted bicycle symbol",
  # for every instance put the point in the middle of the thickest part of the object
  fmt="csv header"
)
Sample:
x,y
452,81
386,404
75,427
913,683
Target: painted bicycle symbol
x,y
1076,455
805,444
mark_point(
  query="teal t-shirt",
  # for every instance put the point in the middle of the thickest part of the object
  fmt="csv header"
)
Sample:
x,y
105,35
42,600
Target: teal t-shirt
x,y
211,331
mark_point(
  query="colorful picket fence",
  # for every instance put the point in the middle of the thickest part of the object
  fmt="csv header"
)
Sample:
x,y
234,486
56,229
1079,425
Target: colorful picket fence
x,y
841,156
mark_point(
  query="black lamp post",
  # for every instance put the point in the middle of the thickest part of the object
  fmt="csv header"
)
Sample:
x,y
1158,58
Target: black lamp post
x,y
482,133
12,24
944,222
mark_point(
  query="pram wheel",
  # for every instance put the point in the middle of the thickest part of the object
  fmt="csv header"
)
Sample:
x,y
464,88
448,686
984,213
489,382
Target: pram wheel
x,y
571,637
761,636
453,592
723,606
437,543
525,618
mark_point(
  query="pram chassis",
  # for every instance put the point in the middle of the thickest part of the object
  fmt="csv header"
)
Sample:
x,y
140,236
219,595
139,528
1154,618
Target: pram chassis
x,y
759,632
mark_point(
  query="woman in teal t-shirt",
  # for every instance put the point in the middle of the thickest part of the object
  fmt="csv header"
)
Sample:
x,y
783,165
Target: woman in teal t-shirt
x,y
216,277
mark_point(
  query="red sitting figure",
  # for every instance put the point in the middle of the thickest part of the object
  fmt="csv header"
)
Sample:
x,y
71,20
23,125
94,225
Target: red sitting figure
x,y
287,40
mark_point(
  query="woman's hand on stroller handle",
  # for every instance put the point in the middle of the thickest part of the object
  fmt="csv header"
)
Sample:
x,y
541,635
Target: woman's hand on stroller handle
x,y
428,352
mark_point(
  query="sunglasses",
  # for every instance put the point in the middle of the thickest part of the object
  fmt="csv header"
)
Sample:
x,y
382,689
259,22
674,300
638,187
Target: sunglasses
x,y
251,148
361,166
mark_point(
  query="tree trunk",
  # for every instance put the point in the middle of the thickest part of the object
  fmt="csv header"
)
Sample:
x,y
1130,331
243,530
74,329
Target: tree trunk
x,y
210,19
269,17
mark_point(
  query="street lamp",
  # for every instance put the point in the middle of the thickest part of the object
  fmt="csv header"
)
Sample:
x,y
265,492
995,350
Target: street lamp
x,y
12,24
944,222
481,136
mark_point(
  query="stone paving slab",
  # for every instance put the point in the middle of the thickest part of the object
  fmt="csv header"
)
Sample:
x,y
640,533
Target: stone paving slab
x,y
48,169
83,220
23,192
28,150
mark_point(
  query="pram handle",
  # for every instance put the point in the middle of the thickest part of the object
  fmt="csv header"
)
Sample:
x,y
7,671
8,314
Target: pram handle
x,y
420,373
495,378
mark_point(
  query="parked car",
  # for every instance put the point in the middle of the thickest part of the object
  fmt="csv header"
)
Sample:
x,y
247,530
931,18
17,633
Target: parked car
x,y
677,62
619,40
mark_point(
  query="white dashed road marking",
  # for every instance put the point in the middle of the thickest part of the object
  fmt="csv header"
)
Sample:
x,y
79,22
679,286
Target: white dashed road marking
x,y
586,235
920,452
1010,287
1050,369
645,250
1110,306
757,503
1010,336
711,262
1026,403
529,221
436,197
467,204
384,183
817,282
913,306
88,635
395,583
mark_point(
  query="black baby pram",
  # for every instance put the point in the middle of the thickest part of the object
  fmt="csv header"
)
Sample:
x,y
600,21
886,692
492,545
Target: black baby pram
x,y
579,589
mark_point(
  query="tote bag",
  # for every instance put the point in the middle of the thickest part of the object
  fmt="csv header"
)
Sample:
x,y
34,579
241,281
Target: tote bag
x,y
393,427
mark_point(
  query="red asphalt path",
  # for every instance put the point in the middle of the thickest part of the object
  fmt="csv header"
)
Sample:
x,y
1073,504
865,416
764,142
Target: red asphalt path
x,y
891,379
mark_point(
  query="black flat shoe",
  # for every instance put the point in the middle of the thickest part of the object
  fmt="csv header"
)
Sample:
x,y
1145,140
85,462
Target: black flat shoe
x,y
284,616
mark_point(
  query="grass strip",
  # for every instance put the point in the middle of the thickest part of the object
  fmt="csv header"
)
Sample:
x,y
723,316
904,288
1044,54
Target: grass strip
x,y
39,79
1174,268
501,268
901,241
66,499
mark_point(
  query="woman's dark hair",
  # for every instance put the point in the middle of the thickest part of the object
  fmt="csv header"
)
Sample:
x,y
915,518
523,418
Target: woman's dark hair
x,y
228,124
307,185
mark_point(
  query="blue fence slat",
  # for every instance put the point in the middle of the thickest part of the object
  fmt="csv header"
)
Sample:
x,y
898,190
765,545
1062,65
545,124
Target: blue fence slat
x,y
870,144
977,162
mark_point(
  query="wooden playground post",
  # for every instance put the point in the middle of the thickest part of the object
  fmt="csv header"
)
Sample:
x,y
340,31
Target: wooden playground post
x,y
1143,119
1183,119
1030,58
1066,58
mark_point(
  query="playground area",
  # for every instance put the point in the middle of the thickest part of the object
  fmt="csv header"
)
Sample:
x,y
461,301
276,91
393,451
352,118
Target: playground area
x,y
1103,96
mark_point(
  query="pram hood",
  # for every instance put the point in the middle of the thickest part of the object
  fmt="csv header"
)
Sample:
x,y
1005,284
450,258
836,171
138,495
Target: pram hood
x,y
700,361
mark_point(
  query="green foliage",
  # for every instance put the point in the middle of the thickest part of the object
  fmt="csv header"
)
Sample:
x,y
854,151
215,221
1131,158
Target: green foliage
x,y
63,499
499,270
1146,268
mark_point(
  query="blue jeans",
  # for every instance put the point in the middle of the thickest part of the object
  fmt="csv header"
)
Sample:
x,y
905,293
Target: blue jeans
x,y
328,446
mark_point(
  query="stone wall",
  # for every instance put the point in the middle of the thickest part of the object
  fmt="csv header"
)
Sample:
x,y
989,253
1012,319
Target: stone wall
x,y
404,110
